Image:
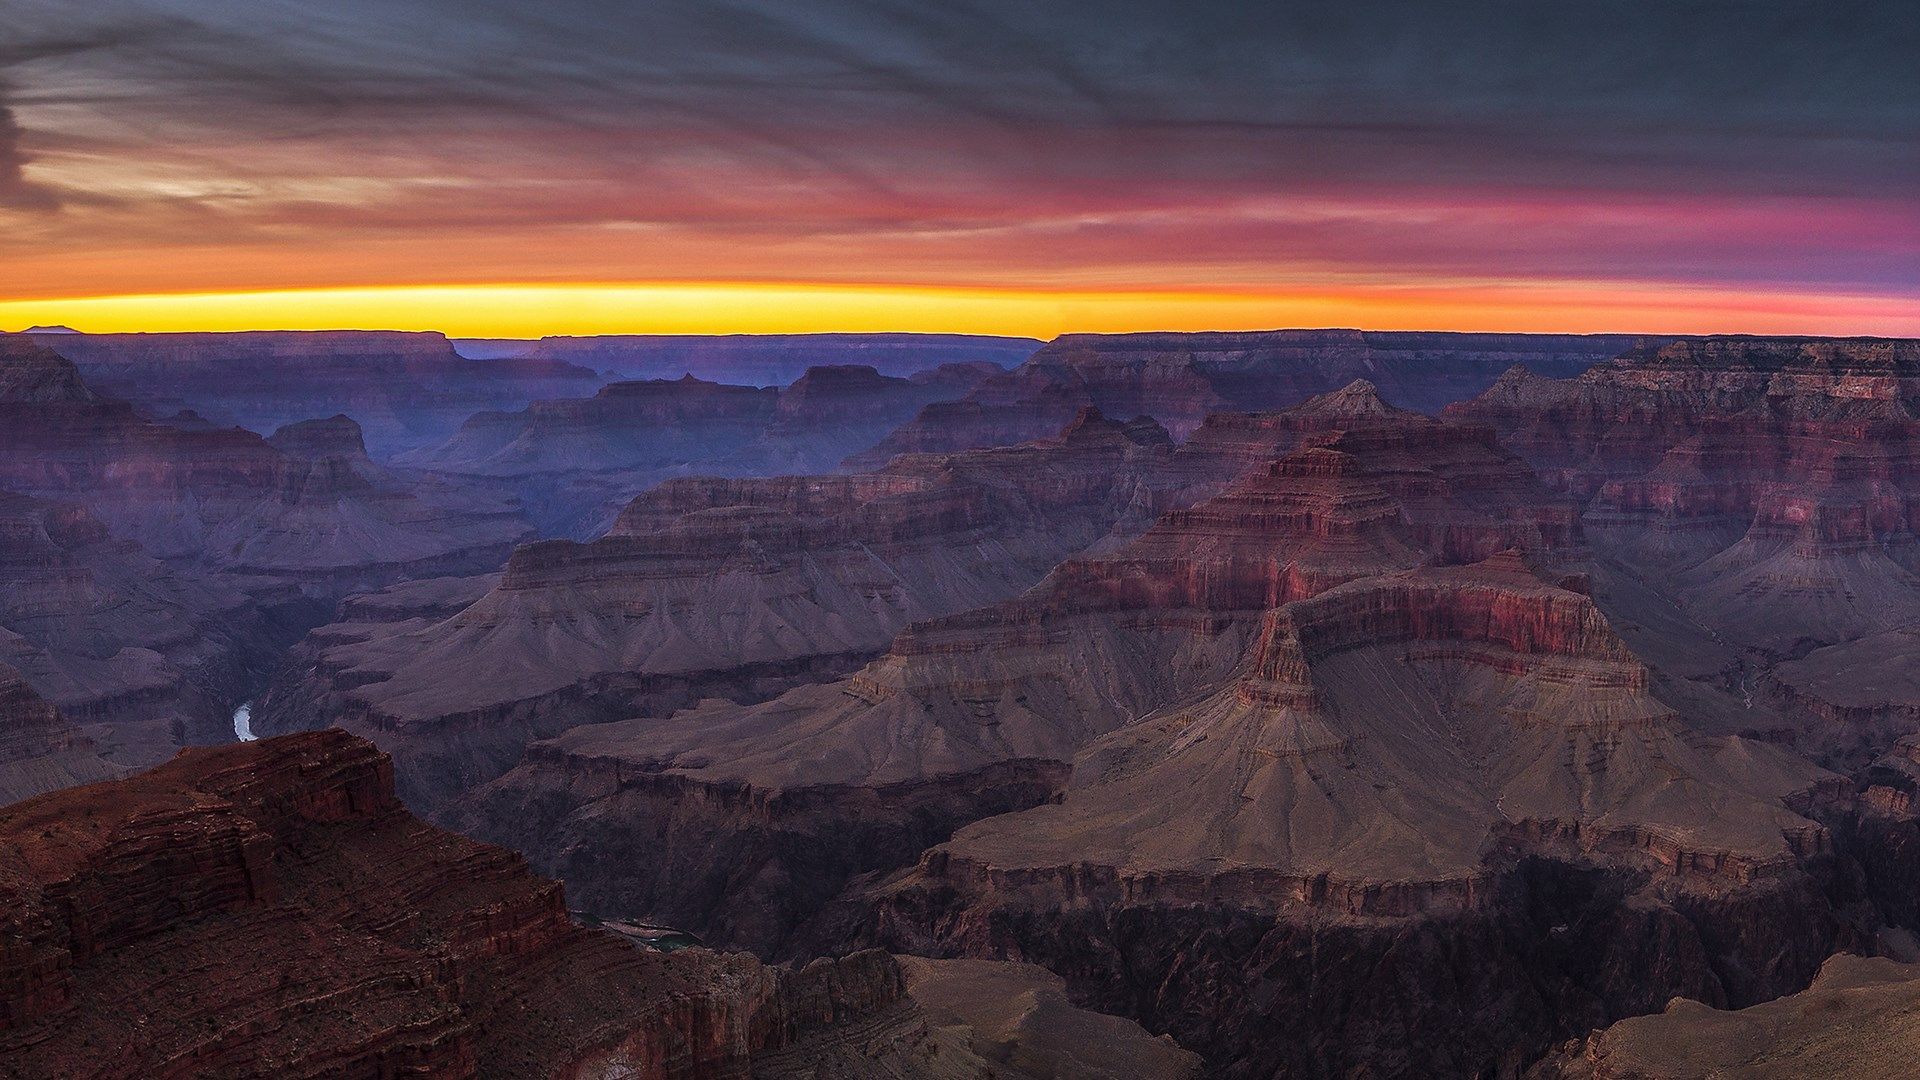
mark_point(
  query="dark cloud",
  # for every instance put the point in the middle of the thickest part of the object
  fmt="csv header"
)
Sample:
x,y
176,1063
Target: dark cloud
x,y
15,191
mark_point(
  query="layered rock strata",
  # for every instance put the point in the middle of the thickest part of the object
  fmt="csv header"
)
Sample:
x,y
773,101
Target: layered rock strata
x,y
1452,779
575,462
1180,379
716,588
1769,489
305,513
142,656
982,712
270,909
39,750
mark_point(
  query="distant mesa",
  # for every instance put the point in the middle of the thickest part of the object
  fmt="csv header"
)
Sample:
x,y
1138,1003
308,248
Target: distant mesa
x,y
50,330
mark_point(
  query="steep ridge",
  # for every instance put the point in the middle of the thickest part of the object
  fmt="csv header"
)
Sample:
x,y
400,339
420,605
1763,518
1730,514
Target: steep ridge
x,y
1860,1019
1458,755
981,713
775,359
717,588
39,750
1738,475
1179,379
303,515
407,389
270,909
575,462
143,656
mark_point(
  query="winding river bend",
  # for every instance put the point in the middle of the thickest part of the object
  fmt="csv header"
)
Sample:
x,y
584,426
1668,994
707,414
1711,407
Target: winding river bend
x,y
243,722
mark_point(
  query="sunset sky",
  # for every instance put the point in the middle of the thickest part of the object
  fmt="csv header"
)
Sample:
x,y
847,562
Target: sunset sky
x,y
501,168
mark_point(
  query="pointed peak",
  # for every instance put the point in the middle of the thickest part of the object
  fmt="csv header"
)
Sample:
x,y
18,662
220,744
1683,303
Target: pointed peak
x,y
1358,398
32,374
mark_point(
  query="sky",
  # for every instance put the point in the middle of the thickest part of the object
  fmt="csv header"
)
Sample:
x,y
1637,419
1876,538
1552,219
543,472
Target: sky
x,y
495,168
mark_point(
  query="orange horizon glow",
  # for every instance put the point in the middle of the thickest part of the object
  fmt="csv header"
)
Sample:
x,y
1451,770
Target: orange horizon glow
x,y
539,309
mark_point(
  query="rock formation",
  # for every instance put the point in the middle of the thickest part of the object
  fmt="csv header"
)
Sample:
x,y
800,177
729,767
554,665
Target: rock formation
x,y
1340,770
39,750
270,909
982,712
305,514
1179,379
145,657
1466,755
982,1020
1860,1019
406,390
774,359
716,588
1769,487
575,462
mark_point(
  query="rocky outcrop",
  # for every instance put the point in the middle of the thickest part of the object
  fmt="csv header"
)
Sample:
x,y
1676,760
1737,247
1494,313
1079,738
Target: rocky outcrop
x,y
982,712
1859,1019
406,389
717,588
1180,379
270,909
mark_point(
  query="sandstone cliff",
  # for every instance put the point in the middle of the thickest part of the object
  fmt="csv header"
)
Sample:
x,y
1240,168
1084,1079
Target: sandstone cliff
x,y
1768,489
271,910
981,712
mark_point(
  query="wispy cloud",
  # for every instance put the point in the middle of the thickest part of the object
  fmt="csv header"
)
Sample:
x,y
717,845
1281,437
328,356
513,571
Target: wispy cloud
x,y
986,141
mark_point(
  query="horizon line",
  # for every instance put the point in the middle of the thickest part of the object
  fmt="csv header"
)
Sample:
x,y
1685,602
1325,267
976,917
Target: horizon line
x,y
532,310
